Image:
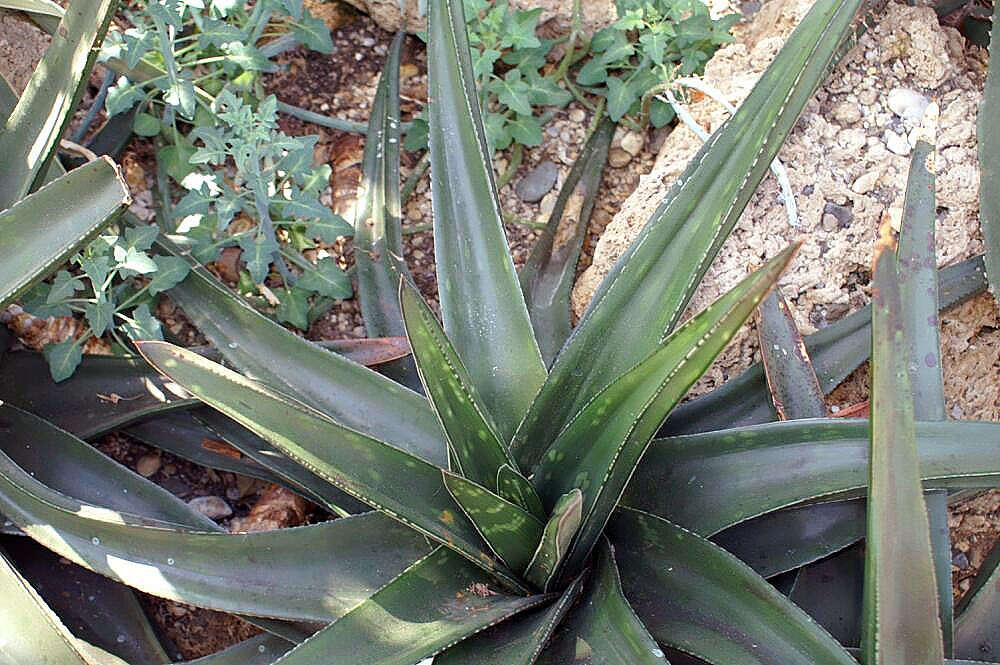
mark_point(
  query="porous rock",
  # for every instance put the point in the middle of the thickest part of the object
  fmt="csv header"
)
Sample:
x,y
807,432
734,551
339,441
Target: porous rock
x,y
828,162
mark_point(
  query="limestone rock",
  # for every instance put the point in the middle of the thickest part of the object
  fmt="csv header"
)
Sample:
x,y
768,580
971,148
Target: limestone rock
x,y
831,157
212,507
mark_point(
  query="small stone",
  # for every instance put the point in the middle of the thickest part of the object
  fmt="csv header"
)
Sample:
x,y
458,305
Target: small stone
x,y
866,182
867,96
897,143
148,465
618,158
960,560
907,104
829,222
548,204
843,214
212,507
846,113
538,182
577,115
632,143
407,70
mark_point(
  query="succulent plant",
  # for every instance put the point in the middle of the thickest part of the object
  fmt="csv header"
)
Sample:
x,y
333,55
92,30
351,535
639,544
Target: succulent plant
x,y
542,500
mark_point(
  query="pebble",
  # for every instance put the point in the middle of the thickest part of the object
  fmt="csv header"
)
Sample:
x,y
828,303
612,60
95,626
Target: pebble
x,y
537,182
632,143
148,465
829,222
908,104
897,143
577,115
548,204
408,70
212,507
618,158
843,214
867,96
960,560
846,113
866,182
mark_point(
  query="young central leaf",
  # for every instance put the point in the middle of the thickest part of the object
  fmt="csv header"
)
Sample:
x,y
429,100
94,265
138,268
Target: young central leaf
x,y
600,448
510,531
474,445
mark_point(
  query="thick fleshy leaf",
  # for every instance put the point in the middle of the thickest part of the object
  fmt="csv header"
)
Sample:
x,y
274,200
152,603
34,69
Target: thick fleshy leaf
x,y
41,231
547,276
370,351
831,591
511,532
110,392
603,629
364,467
259,650
29,136
76,469
105,393
517,641
977,629
351,394
698,598
791,378
270,573
81,473
292,474
988,135
707,482
184,435
438,601
481,304
787,539
556,539
94,608
836,351
645,294
916,263
473,442
378,237
44,7
514,487
900,613
30,631
600,448
937,516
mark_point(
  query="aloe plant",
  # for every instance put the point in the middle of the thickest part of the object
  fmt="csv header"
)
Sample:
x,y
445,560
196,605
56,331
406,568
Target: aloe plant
x,y
524,508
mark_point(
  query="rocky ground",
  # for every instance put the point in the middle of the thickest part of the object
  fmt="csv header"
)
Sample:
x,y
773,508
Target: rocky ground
x,y
846,159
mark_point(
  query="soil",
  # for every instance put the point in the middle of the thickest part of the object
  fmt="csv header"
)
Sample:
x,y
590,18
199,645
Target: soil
x,y
342,83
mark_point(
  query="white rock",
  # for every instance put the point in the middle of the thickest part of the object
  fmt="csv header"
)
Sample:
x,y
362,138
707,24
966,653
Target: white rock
x,y
908,104
846,113
632,143
866,182
212,507
897,143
